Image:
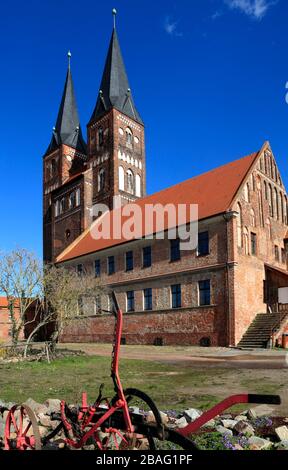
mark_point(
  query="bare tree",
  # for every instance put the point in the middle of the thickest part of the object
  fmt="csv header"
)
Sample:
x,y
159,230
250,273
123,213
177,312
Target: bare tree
x,y
40,296
20,282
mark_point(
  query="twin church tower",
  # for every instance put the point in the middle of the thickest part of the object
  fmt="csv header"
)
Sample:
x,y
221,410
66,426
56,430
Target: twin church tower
x,y
77,175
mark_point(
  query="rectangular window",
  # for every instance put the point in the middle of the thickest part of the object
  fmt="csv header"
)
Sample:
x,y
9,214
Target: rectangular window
x,y
253,243
79,269
147,256
283,255
97,267
78,197
203,244
129,261
175,250
176,295
148,299
205,292
130,301
111,265
276,250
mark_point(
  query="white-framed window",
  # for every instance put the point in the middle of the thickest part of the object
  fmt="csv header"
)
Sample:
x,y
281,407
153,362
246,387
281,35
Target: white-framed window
x,y
78,197
101,180
130,182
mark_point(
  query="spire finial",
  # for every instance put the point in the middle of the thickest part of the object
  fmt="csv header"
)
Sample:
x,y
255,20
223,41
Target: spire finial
x,y
69,55
114,13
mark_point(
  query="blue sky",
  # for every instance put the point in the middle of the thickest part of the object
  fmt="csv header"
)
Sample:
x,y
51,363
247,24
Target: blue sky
x,y
208,77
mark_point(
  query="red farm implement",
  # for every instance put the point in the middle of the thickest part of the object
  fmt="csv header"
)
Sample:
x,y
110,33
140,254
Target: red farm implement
x,y
111,424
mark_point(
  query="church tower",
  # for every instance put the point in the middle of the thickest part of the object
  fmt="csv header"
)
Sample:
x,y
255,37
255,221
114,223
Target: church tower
x,y
63,160
116,139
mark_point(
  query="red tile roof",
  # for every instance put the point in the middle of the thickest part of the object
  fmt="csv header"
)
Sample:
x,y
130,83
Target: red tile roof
x,y
213,191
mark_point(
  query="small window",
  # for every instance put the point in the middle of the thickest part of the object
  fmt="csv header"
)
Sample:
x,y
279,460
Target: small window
x,y
204,292
175,254
147,256
283,255
78,197
130,182
97,267
101,180
176,295
253,244
129,136
100,136
111,265
62,206
203,244
72,200
80,306
276,250
79,269
148,299
130,301
129,261
67,234
57,208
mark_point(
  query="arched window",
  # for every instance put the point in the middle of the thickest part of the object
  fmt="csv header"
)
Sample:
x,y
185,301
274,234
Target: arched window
x,y
57,208
129,136
100,136
252,218
271,205
282,208
101,180
246,240
138,185
285,209
121,178
239,226
62,205
247,192
266,165
78,197
269,229
72,200
130,181
276,199
266,190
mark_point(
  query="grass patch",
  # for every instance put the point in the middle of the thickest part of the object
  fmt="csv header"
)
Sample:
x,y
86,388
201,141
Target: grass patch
x,y
171,386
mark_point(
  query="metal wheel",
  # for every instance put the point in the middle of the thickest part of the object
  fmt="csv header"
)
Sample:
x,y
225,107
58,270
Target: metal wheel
x,y
145,438
21,429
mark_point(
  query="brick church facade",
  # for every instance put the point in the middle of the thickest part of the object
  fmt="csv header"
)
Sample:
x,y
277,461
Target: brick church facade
x,y
224,292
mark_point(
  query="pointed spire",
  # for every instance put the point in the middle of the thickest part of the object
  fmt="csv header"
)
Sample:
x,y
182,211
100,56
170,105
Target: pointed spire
x,y
67,129
115,91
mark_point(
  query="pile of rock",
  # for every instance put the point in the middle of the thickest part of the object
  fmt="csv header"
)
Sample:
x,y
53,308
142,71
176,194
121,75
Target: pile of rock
x,y
253,429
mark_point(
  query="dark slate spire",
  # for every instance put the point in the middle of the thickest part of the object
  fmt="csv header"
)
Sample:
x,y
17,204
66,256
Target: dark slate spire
x,y
115,91
67,129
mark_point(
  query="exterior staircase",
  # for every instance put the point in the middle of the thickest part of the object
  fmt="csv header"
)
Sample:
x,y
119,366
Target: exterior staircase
x,y
261,329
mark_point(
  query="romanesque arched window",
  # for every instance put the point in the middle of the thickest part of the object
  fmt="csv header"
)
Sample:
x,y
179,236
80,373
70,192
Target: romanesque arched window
x,y
129,136
121,178
130,181
239,226
101,180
